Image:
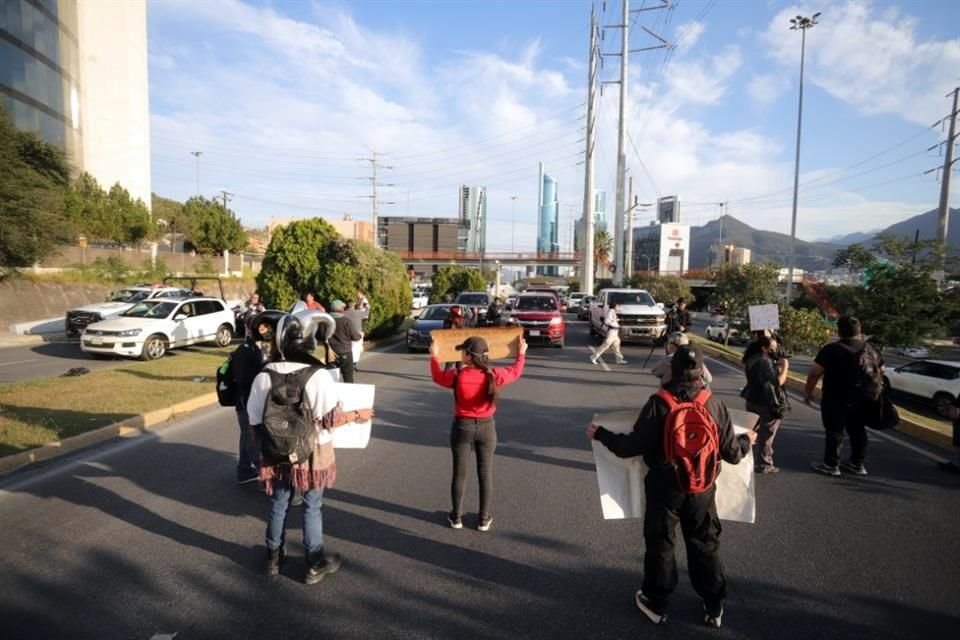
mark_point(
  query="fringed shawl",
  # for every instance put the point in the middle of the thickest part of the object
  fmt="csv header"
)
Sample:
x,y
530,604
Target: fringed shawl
x,y
319,470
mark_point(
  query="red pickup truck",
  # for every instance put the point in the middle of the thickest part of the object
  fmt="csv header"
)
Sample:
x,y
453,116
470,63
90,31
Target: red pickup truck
x,y
539,314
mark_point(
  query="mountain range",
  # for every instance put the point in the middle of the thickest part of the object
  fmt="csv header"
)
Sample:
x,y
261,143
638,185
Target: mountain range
x,y
811,256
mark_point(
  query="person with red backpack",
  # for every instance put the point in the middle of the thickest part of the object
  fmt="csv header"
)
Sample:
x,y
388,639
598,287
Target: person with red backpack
x,y
476,389
683,433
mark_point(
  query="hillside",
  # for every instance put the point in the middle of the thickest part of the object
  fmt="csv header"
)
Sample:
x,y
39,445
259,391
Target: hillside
x,y
765,245
926,223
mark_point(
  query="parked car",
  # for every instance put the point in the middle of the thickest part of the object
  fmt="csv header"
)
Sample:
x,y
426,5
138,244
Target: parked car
x,y
919,353
420,300
937,381
418,336
151,327
539,315
718,330
640,317
115,304
480,300
583,313
574,300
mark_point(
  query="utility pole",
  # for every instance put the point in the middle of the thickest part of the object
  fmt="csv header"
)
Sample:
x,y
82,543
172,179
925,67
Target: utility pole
x,y
374,161
800,24
513,223
628,256
226,196
586,277
720,260
944,218
197,154
621,205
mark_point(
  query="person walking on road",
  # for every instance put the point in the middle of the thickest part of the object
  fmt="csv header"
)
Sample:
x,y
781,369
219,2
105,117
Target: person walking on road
x,y
667,503
246,362
280,478
344,335
679,318
663,369
611,324
766,397
838,363
476,390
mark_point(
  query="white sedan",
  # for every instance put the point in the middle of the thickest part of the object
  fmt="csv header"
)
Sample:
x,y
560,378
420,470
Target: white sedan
x,y
914,352
151,327
420,300
933,380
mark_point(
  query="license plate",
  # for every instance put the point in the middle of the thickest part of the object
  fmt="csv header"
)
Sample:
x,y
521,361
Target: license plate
x,y
534,332
96,340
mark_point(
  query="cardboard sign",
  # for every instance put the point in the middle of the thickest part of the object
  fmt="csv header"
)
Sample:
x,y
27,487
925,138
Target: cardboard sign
x,y
504,342
764,317
620,480
353,397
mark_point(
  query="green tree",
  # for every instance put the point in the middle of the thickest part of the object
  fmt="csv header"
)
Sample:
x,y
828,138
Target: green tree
x,y
902,306
32,181
309,255
132,220
903,251
663,288
804,330
213,228
740,286
602,248
453,280
853,258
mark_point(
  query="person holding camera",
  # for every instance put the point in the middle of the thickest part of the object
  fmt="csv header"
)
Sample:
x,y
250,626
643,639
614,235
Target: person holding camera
x,y
766,371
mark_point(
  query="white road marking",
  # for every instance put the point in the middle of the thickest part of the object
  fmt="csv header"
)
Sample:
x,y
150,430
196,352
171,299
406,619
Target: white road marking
x,y
6,364
873,432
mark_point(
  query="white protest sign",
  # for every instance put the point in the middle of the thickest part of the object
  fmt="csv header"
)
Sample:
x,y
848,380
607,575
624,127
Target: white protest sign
x,y
764,316
620,480
353,397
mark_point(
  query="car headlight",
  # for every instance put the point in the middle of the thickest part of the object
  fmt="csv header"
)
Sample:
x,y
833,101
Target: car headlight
x,y
411,332
129,333
555,321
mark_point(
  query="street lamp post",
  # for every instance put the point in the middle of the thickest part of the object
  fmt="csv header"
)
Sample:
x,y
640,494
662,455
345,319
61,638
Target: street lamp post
x,y
801,24
197,154
513,224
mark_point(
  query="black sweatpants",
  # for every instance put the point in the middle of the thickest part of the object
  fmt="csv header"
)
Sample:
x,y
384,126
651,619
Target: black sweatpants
x,y
345,362
697,515
480,436
835,422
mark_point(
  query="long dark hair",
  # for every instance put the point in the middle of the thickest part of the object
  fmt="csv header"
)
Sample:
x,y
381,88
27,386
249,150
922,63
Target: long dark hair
x,y
483,363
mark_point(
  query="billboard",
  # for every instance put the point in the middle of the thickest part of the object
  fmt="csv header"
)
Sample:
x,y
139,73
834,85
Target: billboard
x,y
668,209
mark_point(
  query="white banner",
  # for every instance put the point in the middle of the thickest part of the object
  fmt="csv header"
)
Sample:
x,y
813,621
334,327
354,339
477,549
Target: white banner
x,y
621,479
353,397
764,317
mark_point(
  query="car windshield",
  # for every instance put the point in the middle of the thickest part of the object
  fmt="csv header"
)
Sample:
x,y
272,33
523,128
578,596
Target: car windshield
x,y
473,298
537,303
150,309
630,297
435,313
128,295
577,296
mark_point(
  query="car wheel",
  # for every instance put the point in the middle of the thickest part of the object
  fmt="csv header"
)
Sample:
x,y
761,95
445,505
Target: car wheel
x,y
154,347
224,335
943,402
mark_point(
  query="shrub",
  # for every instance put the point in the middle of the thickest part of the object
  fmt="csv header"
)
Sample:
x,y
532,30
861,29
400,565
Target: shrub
x,y
454,280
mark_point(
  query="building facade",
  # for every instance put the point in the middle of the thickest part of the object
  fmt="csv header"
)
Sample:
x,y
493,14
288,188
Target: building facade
x,y
76,74
424,236
664,248
668,209
473,212
732,254
548,219
599,219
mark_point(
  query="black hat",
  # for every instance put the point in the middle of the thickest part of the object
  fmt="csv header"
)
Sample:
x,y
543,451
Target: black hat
x,y
474,345
689,358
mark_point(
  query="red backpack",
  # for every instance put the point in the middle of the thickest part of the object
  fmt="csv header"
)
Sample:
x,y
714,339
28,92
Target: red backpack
x,y
691,441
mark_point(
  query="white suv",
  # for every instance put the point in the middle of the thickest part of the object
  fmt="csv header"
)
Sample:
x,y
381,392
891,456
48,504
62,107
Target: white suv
x,y
115,304
151,327
936,380
640,317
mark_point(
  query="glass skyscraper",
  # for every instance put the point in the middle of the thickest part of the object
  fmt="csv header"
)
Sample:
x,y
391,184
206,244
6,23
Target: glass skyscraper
x,y
473,211
548,225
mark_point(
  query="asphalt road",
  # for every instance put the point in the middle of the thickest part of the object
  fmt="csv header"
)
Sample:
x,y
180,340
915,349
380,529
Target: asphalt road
x,y
151,536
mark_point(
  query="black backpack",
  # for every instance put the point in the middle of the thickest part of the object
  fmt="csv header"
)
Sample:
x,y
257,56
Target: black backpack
x,y
288,433
868,380
228,390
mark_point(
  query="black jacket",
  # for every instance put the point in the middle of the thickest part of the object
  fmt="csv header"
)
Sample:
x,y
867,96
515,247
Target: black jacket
x,y
646,439
763,387
246,362
344,333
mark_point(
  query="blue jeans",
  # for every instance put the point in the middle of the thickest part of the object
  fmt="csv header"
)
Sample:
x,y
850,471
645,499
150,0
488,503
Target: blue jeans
x,y
249,450
312,517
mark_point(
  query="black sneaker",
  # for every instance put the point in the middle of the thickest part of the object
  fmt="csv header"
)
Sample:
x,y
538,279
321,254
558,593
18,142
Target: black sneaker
x,y
455,521
643,603
826,469
321,565
855,469
485,522
274,560
245,478
713,621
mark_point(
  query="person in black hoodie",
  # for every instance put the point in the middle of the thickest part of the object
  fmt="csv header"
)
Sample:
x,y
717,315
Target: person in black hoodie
x,y
666,504
342,340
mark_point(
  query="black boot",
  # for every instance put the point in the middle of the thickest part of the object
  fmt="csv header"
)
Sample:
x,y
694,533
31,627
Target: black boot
x,y
320,565
274,560
296,499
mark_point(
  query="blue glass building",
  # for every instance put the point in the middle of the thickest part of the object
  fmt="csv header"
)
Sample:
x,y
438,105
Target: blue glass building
x,y
548,221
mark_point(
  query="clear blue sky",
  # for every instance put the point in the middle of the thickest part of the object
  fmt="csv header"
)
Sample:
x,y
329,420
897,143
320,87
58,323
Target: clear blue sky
x,y
283,98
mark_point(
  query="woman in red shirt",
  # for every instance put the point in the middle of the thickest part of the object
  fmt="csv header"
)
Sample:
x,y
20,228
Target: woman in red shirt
x,y
476,389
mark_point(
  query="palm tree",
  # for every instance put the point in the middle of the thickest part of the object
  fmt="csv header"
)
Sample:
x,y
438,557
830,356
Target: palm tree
x,y
602,248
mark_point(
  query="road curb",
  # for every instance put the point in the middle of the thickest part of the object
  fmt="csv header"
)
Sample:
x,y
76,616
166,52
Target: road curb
x,y
130,428
909,423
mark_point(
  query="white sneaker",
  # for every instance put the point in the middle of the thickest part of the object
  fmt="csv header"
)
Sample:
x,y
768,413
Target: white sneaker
x,y
593,361
644,605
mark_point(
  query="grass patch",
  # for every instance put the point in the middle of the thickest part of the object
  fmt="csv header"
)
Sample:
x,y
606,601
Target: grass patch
x,y
42,411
